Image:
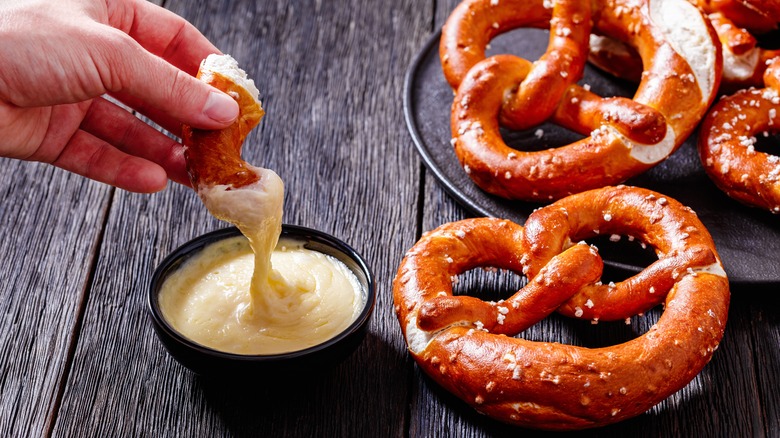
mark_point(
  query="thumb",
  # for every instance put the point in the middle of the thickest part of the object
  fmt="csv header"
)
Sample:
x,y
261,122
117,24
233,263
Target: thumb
x,y
158,84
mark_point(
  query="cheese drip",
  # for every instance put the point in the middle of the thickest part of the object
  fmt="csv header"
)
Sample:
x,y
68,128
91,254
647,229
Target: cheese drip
x,y
243,295
257,211
311,298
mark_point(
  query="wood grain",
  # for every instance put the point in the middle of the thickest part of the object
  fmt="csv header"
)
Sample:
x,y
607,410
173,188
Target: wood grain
x,y
79,356
331,81
51,222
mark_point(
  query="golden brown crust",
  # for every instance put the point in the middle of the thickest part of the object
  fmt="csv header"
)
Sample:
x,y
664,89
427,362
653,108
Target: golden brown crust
x,y
519,95
744,61
735,39
616,58
214,156
759,16
466,345
727,138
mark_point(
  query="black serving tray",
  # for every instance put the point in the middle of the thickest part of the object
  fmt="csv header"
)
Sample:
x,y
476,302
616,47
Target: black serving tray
x,y
747,239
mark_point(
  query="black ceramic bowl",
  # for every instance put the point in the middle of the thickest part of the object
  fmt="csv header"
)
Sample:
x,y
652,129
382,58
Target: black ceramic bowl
x,y
209,362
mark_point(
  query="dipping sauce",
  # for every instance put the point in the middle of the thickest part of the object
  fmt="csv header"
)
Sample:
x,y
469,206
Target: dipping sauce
x,y
310,298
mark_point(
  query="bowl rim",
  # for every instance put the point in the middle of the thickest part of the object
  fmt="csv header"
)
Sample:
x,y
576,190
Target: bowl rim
x,y
288,231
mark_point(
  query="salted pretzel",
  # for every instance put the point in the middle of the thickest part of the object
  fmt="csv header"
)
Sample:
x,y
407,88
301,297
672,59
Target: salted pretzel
x,y
757,16
213,157
468,346
744,62
625,137
727,138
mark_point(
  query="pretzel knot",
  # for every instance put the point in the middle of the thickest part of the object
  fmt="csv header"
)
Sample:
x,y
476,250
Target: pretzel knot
x,y
625,137
468,346
727,139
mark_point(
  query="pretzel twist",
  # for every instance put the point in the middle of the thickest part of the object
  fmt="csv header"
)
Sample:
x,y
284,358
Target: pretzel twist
x,y
727,138
626,137
467,345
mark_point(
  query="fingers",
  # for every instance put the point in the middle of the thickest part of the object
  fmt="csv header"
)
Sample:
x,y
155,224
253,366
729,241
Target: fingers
x,y
100,140
93,158
114,147
162,33
126,67
122,130
165,120
160,83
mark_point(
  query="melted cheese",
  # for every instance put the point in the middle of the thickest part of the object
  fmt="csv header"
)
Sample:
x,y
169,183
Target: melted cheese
x,y
256,295
311,297
256,210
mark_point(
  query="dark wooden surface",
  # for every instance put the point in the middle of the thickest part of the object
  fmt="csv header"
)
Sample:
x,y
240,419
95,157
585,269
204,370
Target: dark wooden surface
x,y
78,356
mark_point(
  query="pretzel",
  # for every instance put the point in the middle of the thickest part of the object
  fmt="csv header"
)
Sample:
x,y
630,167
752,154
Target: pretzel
x,y
744,62
249,197
213,157
757,16
468,346
625,137
727,138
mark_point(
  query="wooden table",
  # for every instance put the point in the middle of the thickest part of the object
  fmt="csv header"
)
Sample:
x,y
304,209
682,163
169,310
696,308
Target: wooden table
x,y
78,356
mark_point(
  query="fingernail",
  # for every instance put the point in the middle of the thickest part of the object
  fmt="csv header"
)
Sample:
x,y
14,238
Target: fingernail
x,y
220,107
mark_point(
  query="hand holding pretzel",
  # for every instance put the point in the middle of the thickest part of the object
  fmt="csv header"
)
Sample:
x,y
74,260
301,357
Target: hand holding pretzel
x,y
60,60
626,137
467,345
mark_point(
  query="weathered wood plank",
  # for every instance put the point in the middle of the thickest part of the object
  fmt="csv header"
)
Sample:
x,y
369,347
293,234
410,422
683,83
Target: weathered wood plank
x,y
331,81
762,322
50,221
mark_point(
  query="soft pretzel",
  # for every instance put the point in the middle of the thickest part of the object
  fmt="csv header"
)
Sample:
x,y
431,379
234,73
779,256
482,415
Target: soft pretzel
x,y
468,345
213,157
727,138
744,61
758,16
626,137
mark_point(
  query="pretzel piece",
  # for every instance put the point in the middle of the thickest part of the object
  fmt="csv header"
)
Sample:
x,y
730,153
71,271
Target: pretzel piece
x,y
249,197
626,138
213,157
467,346
727,138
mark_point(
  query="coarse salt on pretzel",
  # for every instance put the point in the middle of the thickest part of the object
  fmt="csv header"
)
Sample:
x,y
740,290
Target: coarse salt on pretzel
x,y
727,138
468,346
744,61
758,16
231,189
626,137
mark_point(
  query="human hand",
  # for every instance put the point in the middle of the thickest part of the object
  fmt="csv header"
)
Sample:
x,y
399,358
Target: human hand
x,y
60,59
